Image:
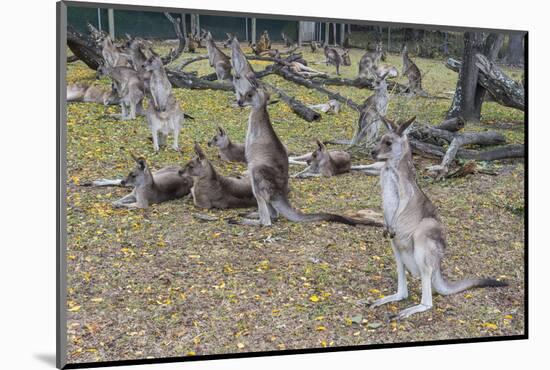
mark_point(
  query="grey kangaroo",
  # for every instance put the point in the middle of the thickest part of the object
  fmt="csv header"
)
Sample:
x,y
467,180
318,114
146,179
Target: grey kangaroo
x,y
243,72
323,162
268,165
369,116
129,88
85,93
228,151
412,222
160,86
212,190
111,53
411,71
333,57
369,61
217,58
149,188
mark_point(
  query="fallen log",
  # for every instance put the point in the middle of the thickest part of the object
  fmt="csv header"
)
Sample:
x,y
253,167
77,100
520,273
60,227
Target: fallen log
x,y
190,81
452,124
72,59
290,76
500,152
84,48
297,107
360,83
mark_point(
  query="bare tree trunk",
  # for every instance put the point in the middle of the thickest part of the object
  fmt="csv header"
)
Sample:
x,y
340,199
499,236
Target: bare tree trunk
x,y
469,94
514,52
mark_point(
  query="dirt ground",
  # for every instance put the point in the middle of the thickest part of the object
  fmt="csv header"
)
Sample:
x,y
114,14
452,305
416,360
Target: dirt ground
x,y
159,283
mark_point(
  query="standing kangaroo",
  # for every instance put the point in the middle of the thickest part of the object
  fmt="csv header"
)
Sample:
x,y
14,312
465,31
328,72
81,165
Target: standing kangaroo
x,y
160,86
411,71
242,69
229,151
411,219
268,166
111,54
217,58
129,87
369,116
369,61
149,188
333,57
212,190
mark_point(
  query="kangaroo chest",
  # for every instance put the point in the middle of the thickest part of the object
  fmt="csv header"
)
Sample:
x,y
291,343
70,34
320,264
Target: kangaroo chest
x,y
390,194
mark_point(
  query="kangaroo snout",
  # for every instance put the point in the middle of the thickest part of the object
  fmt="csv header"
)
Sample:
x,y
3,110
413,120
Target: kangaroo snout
x,y
374,153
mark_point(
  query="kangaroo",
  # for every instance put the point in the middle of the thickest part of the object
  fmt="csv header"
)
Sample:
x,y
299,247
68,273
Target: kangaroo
x,y
161,123
314,46
267,162
411,71
160,86
411,220
129,87
111,53
334,58
85,93
229,151
369,115
149,188
346,60
212,190
369,61
323,162
286,40
243,72
332,106
217,58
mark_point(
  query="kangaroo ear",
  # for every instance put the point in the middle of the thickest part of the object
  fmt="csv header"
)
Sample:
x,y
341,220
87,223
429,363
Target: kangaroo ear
x,y
199,152
403,127
221,130
390,125
321,146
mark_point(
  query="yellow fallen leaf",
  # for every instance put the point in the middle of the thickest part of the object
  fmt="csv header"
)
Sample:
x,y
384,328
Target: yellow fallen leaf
x,y
509,317
321,328
191,353
97,300
240,345
74,308
314,298
490,325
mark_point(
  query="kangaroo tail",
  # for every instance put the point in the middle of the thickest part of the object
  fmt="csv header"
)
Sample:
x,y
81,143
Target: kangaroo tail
x,y
284,208
444,287
188,116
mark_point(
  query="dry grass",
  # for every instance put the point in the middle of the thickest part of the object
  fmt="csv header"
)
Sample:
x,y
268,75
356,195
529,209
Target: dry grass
x,y
158,283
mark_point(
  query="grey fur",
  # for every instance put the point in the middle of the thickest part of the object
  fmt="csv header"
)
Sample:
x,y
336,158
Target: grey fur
x,y
412,72
212,190
129,88
228,151
369,116
217,59
333,57
149,188
411,220
85,93
267,163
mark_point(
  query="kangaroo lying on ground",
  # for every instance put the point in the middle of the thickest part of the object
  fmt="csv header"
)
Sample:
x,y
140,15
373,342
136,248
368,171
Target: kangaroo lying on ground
x,y
332,106
268,165
411,220
86,93
212,190
129,87
323,162
229,151
217,58
149,188
411,71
